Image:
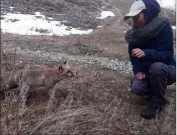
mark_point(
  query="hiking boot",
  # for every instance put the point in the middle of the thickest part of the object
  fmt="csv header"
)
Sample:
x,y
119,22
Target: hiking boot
x,y
150,112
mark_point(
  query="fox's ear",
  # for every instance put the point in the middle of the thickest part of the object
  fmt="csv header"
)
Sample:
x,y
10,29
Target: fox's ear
x,y
60,69
66,62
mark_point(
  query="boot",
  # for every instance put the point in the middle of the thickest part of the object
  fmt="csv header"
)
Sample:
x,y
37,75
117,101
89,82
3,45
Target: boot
x,y
150,112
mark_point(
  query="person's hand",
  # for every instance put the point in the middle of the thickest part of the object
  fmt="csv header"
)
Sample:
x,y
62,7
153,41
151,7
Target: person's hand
x,y
140,75
138,53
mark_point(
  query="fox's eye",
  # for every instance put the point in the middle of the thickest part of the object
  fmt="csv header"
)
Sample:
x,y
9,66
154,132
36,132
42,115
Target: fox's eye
x,y
60,69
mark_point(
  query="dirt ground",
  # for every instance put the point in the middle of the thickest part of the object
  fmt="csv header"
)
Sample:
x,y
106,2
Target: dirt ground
x,y
95,102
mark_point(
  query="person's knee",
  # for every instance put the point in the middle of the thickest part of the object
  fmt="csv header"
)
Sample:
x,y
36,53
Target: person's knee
x,y
137,89
158,68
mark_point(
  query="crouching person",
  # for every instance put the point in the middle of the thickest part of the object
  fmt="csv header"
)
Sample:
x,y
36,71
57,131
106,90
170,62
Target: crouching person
x,y
151,54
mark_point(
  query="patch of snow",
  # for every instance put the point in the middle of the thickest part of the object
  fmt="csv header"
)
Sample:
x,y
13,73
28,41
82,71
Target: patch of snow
x,y
26,24
174,27
64,21
105,14
169,4
50,18
11,7
174,30
100,26
38,14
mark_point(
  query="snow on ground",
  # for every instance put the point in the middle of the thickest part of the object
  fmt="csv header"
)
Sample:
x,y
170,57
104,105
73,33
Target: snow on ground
x,y
100,26
38,24
174,27
174,30
169,4
105,14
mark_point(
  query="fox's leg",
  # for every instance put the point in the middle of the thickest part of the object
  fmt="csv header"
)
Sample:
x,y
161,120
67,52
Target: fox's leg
x,y
37,94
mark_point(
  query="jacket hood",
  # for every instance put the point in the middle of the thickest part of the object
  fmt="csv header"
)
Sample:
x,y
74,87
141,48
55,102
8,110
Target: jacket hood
x,y
152,9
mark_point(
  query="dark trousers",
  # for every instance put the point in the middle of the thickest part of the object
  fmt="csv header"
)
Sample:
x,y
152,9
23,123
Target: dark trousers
x,y
154,85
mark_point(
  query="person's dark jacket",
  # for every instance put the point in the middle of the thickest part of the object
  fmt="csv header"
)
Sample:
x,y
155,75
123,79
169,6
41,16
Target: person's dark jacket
x,y
158,49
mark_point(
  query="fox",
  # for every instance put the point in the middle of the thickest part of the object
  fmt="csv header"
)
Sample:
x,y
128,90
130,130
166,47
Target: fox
x,y
31,79
40,76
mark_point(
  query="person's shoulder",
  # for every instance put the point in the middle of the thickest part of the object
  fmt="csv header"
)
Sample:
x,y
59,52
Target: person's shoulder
x,y
165,19
167,25
167,28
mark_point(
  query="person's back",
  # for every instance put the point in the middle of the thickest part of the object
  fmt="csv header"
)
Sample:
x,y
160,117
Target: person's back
x,y
151,54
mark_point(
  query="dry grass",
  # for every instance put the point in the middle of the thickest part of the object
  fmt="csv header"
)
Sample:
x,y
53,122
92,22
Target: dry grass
x,y
93,103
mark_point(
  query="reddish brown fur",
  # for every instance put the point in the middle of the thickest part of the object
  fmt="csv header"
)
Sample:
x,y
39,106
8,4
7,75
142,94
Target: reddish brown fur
x,y
39,78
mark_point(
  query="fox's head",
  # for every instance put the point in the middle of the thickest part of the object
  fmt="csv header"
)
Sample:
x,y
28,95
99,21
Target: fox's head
x,y
65,69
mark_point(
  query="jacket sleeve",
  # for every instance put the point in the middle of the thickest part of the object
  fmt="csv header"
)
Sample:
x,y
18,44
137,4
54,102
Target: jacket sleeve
x,y
156,56
136,63
164,48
